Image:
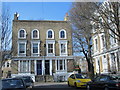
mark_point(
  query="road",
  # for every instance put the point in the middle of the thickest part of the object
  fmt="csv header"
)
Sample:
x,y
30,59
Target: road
x,y
60,85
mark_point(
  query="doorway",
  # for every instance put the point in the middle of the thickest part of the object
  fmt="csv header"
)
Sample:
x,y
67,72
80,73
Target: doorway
x,y
47,70
39,67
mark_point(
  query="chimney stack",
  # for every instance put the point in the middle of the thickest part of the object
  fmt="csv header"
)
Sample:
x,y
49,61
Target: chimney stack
x,y
16,15
66,18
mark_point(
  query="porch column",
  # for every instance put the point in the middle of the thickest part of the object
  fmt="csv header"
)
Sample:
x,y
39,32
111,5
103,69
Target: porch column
x,y
65,64
56,65
18,66
29,66
43,67
35,67
50,66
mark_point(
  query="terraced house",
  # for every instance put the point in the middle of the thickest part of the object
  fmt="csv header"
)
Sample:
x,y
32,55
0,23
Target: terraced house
x,y
41,47
106,47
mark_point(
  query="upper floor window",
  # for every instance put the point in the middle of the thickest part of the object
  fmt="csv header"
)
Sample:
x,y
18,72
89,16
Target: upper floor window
x,y
35,47
63,47
62,34
35,34
21,48
50,34
22,33
96,45
103,41
50,48
113,39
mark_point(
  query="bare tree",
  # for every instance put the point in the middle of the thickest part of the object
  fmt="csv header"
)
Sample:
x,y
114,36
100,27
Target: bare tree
x,y
81,15
108,18
6,36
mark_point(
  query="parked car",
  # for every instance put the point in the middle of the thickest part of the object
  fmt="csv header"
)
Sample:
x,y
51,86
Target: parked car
x,y
28,81
78,80
105,82
13,84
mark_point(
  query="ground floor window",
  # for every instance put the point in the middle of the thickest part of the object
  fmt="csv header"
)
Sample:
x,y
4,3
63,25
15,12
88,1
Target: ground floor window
x,y
24,66
60,64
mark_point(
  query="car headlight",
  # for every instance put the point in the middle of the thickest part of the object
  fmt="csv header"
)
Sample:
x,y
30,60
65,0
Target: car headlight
x,y
78,81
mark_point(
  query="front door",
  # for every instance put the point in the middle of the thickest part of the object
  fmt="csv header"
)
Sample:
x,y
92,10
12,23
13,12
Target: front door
x,y
47,70
39,67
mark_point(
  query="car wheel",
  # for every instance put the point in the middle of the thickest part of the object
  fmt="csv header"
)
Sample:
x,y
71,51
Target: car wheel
x,y
32,86
68,84
106,88
88,87
75,84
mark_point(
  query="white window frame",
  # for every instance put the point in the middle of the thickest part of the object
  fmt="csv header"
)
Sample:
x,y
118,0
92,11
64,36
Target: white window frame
x,y
63,64
27,65
60,34
52,34
112,40
22,54
95,49
66,49
103,47
24,34
50,48
50,42
35,54
37,34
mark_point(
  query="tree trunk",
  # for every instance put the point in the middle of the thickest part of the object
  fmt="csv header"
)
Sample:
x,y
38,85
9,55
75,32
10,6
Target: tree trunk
x,y
90,69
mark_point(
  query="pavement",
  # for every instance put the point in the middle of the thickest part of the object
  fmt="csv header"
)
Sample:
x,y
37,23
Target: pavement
x,y
49,83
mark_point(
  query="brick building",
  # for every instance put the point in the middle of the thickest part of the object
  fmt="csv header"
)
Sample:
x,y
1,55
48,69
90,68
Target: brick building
x,y
41,48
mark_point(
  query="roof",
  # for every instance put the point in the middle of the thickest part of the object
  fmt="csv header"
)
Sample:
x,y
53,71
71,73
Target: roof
x,y
39,21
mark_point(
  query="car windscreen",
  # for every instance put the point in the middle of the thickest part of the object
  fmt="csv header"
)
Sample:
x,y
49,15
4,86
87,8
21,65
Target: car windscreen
x,y
27,79
12,83
115,77
79,76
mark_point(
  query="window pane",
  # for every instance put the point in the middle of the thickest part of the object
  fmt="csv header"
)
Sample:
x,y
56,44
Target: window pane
x,y
57,64
62,34
22,48
8,64
63,48
35,48
61,65
49,34
24,66
50,48
35,34
22,33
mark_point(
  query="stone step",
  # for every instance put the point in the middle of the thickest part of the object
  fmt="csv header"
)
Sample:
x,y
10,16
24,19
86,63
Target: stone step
x,y
47,78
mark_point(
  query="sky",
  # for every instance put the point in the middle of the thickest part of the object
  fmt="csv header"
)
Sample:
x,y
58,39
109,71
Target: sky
x,y
39,10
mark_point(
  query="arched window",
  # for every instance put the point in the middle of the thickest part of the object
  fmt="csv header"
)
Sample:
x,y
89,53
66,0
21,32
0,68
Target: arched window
x,y
35,34
50,34
62,34
22,33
